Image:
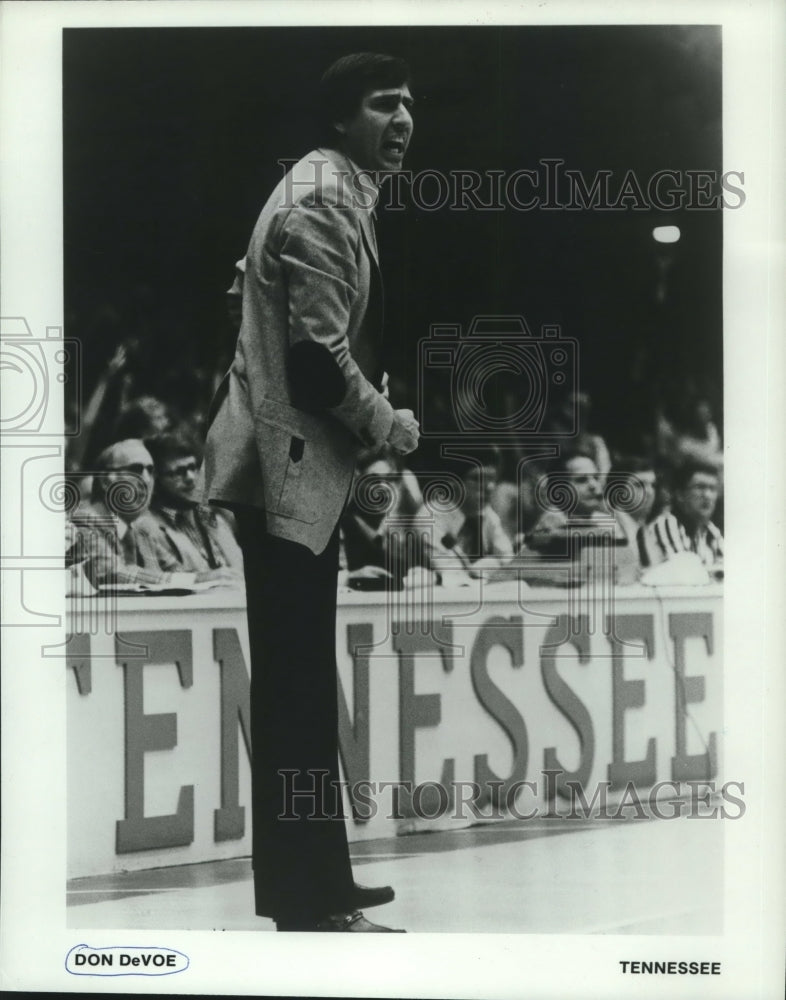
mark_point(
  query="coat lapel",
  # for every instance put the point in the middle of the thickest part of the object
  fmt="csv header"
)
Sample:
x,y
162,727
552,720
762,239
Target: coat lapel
x,y
343,165
369,236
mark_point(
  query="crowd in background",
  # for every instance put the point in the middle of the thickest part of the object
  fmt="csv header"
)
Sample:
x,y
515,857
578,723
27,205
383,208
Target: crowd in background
x,y
135,521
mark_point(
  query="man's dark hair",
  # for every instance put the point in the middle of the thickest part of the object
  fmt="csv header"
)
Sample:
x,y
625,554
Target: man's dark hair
x,y
167,447
683,474
345,83
560,464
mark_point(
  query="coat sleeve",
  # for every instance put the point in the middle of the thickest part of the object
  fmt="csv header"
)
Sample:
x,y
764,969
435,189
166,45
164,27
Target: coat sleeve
x,y
319,257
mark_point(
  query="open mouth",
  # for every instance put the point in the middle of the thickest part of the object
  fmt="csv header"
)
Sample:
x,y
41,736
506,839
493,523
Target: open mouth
x,y
396,147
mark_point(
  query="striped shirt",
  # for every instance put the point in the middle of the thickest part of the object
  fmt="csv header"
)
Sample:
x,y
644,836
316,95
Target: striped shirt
x,y
667,536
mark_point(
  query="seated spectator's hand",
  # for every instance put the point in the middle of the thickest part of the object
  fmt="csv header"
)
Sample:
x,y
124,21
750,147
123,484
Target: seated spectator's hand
x,y
483,566
454,576
223,574
366,578
369,573
77,584
420,576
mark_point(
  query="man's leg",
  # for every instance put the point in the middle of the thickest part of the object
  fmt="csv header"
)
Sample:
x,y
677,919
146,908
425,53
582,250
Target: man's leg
x,y
302,869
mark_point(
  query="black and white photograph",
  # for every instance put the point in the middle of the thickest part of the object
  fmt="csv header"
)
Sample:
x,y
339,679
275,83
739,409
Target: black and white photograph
x,y
392,455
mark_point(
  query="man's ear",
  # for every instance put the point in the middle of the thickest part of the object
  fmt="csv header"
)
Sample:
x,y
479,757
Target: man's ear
x,y
340,127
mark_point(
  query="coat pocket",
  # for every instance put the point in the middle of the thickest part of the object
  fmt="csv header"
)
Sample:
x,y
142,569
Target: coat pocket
x,y
285,453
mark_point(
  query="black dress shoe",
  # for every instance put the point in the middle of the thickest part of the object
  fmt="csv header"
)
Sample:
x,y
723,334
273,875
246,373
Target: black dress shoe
x,y
353,922
365,897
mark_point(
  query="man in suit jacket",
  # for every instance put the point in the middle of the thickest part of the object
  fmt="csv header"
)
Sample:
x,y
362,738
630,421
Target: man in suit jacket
x,y
302,398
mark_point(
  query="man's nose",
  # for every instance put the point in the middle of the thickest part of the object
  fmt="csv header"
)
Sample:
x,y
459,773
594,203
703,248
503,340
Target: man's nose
x,y
402,117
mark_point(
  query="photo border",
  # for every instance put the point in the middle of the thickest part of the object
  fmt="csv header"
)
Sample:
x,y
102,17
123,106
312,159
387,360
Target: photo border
x,y
35,939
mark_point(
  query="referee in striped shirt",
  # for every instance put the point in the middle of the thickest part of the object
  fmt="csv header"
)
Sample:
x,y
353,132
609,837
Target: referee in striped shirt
x,y
689,527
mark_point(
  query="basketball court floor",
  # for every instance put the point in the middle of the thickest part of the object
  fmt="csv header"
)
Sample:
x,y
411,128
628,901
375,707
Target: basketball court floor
x,y
548,875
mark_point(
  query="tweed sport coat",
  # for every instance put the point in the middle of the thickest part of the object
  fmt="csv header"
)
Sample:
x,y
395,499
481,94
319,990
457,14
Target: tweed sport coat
x,y
302,396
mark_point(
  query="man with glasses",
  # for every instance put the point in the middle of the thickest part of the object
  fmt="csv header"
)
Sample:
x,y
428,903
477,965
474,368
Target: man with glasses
x,y
689,527
118,544
200,538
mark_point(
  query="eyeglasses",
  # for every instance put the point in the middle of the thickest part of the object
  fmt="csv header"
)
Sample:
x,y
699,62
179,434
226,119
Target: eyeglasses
x,y
138,468
181,471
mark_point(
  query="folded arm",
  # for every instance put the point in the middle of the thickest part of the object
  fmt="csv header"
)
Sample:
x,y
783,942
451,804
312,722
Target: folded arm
x,y
319,257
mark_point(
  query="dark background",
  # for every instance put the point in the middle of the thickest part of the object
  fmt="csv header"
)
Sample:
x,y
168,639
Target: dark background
x,y
171,139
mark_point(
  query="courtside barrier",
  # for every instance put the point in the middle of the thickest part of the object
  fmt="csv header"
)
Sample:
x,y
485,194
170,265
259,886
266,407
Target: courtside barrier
x,y
456,706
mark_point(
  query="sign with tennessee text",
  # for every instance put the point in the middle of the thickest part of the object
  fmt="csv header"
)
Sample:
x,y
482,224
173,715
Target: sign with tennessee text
x,y
454,712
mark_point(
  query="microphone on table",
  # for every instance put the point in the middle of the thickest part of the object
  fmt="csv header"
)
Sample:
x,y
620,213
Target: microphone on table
x,y
450,542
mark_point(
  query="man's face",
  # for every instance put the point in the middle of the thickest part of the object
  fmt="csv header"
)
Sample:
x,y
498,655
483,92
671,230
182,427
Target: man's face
x,y
130,479
478,489
177,480
584,478
698,498
376,137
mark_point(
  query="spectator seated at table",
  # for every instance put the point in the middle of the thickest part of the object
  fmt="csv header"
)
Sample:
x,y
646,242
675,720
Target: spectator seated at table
x,y
470,536
116,541
632,496
515,501
578,518
198,537
380,527
688,527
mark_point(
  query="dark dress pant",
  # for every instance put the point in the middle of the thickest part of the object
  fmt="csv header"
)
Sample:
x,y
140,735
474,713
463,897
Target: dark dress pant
x,y
301,860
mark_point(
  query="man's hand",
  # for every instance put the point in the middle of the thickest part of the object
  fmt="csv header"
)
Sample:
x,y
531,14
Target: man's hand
x,y
405,432
118,360
369,573
223,575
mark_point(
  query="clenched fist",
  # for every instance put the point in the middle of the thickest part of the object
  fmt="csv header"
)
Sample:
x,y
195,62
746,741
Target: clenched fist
x,y
405,432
